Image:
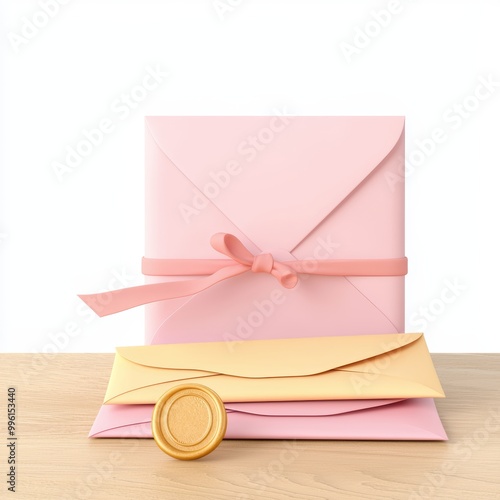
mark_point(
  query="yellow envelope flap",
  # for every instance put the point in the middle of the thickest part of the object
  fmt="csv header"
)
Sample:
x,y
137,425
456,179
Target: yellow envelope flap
x,y
267,358
321,368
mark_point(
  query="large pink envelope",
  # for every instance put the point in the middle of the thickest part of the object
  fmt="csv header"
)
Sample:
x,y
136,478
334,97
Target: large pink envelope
x,y
410,419
296,187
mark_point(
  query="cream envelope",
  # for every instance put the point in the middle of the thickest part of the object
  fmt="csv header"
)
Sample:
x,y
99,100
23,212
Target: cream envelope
x,y
300,188
392,366
412,419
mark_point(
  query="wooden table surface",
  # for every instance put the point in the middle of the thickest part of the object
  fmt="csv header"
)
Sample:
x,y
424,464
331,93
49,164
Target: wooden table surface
x,y
58,396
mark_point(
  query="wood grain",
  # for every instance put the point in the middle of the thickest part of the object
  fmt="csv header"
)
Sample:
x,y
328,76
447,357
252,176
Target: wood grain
x,y
58,397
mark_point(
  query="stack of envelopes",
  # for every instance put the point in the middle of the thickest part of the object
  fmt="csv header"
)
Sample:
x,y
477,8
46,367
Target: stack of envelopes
x,y
275,267
355,387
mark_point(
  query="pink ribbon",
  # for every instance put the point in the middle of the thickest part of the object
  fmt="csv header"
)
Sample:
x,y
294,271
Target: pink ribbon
x,y
217,270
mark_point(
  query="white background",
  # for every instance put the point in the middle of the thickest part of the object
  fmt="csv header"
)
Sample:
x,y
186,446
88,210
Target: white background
x,y
60,238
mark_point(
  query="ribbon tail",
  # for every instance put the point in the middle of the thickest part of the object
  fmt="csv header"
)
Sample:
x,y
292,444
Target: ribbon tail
x,y
286,275
106,303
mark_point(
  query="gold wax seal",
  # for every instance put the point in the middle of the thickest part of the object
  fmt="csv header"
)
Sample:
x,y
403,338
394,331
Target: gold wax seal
x,y
189,421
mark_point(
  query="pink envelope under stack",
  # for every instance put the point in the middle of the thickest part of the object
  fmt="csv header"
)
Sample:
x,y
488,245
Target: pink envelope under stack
x,y
307,189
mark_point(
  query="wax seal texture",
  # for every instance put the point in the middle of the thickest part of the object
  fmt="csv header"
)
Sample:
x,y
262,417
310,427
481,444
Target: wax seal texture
x,y
189,421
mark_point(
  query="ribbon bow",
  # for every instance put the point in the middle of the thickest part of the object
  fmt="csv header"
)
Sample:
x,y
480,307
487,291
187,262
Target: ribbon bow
x,y
217,270
231,246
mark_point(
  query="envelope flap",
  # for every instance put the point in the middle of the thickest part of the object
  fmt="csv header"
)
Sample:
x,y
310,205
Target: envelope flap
x,y
115,416
268,358
265,168
307,408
